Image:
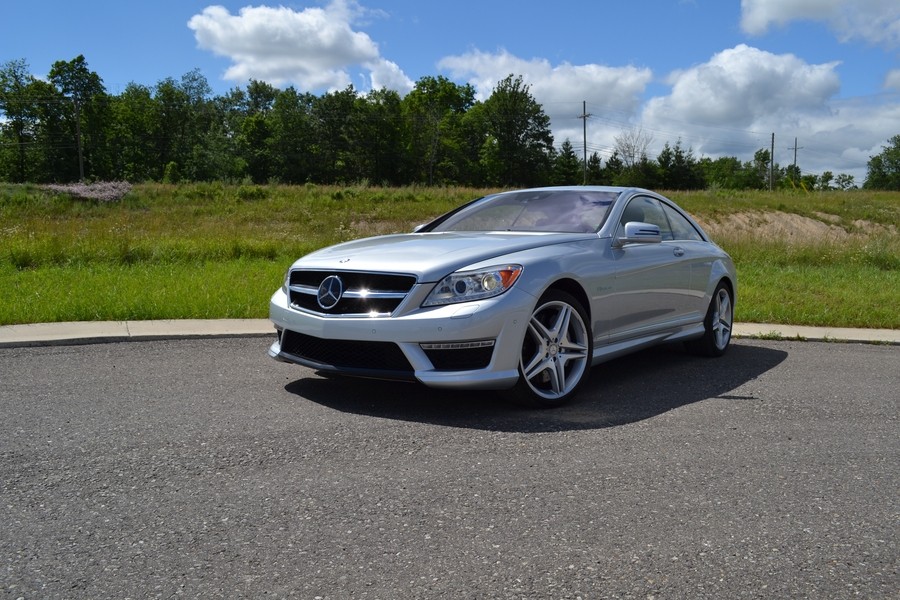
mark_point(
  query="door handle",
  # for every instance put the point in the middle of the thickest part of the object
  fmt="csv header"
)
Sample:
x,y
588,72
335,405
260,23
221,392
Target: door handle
x,y
678,251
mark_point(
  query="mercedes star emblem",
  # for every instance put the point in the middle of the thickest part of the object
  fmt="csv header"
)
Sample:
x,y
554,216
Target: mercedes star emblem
x,y
330,291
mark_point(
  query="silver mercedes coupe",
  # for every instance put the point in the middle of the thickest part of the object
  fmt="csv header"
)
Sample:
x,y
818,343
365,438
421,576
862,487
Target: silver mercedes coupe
x,y
521,291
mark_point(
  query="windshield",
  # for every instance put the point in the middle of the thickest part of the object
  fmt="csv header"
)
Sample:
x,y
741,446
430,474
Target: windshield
x,y
565,211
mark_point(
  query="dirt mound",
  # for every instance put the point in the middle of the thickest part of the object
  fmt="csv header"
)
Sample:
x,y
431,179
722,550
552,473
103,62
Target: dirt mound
x,y
791,227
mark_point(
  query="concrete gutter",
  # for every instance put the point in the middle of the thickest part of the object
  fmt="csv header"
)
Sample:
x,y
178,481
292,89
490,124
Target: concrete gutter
x,y
89,332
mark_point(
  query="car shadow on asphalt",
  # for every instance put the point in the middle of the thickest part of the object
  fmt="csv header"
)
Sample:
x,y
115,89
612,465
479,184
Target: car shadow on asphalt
x,y
626,390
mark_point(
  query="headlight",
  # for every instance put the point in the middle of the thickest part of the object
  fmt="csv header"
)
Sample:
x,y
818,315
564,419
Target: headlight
x,y
465,286
287,282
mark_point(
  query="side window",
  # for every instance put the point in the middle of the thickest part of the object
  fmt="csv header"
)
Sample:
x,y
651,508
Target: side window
x,y
647,210
681,227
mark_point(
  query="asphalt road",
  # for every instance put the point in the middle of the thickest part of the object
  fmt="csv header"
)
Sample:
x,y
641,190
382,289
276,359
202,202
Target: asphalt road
x,y
202,468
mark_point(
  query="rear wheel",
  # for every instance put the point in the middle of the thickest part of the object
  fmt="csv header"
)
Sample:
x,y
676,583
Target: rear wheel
x,y
556,352
718,323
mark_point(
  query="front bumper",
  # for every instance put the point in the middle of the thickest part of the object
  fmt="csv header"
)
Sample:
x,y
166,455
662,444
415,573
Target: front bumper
x,y
474,345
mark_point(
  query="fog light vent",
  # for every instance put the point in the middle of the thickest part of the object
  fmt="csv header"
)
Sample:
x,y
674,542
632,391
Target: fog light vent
x,y
459,356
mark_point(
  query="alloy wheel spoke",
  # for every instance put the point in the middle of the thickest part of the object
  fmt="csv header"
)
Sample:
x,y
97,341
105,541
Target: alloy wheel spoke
x,y
558,376
536,366
570,347
561,326
573,348
722,320
544,367
539,334
559,349
539,331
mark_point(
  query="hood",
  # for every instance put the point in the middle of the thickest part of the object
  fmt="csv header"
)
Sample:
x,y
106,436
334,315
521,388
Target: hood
x,y
428,256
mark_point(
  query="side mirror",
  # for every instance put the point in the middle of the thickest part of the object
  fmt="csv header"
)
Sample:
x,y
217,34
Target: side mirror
x,y
638,233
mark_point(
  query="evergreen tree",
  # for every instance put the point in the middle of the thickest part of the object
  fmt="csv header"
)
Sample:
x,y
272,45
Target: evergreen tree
x,y
678,169
567,167
595,172
645,174
614,167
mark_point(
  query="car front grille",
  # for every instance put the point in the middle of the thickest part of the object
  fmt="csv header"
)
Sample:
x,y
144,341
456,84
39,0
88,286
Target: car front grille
x,y
384,359
360,293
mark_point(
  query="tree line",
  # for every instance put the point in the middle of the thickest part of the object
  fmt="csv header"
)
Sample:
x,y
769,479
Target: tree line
x,y
69,128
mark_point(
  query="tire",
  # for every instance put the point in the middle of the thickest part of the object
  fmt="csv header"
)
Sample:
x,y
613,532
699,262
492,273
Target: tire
x,y
717,324
556,352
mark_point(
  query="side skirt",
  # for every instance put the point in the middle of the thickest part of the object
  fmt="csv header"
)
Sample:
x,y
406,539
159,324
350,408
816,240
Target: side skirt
x,y
617,349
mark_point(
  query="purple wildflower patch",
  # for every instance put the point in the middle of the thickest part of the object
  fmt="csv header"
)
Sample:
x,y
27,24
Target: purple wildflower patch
x,y
104,191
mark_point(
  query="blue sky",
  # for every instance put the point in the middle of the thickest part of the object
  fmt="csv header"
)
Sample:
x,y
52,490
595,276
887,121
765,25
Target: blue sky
x,y
719,75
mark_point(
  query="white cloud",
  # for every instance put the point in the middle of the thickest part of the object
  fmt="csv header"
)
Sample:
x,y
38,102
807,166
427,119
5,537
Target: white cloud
x,y
730,106
560,89
743,85
388,75
892,80
875,21
620,87
313,48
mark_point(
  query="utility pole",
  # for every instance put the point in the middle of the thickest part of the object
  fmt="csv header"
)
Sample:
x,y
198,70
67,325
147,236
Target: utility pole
x,y
78,140
772,165
584,117
795,148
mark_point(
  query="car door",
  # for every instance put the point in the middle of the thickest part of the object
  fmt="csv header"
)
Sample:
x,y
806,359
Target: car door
x,y
652,285
696,252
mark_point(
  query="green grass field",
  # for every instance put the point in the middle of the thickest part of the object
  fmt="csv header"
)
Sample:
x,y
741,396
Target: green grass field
x,y
219,251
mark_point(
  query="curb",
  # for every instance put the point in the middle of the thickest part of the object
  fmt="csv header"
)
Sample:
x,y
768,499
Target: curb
x,y
91,332
98,332
815,334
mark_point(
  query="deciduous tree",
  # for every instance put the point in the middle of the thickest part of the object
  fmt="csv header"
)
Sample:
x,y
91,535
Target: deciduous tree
x,y
88,118
519,133
884,168
433,111
18,125
632,145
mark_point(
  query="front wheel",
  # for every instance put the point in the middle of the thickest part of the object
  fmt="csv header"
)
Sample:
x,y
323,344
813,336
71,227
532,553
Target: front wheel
x,y
717,324
556,352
